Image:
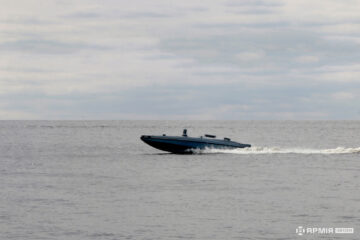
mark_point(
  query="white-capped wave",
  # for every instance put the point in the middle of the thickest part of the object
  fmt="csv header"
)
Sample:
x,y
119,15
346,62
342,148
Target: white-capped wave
x,y
272,150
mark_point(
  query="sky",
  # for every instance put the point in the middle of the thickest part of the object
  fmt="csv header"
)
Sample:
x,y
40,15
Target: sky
x,y
180,60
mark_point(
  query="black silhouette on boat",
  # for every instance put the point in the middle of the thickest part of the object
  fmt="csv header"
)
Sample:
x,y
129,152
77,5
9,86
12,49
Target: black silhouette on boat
x,y
184,144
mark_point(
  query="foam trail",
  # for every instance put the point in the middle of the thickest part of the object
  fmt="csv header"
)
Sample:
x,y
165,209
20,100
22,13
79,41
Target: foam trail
x,y
272,150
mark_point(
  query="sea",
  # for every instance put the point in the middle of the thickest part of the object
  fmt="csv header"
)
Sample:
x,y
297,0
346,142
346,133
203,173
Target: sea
x,y
72,180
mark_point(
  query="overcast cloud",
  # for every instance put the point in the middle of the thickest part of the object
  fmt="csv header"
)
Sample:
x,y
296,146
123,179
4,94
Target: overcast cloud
x,y
216,59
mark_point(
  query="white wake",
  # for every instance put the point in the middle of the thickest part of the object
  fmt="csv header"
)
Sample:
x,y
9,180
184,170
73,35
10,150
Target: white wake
x,y
272,150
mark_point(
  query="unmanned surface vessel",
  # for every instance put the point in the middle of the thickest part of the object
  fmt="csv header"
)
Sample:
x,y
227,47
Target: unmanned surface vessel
x,y
185,144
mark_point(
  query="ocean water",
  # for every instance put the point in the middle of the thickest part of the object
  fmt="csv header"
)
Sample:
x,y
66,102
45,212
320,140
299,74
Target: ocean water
x,y
97,180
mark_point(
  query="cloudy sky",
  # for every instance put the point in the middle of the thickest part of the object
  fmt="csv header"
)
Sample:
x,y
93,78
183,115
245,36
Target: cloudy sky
x,y
163,59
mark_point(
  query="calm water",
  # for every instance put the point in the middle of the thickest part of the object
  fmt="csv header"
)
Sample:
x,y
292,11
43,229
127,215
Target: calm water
x,y
97,180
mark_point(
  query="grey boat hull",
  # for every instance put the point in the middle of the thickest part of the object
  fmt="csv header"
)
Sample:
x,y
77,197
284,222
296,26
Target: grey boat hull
x,y
183,145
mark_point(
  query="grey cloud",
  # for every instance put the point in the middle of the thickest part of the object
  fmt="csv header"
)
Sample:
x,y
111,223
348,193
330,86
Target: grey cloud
x,y
243,3
240,27
281,48
255,11
29,21
184,100
83,15
212,98
258,68
198,9
40,46
23,69
253,7
140,14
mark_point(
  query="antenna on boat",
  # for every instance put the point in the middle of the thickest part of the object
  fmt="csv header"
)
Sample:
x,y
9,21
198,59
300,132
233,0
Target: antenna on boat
x,y
184,133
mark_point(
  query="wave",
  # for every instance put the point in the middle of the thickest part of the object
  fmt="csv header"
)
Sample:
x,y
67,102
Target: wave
x,y
279,150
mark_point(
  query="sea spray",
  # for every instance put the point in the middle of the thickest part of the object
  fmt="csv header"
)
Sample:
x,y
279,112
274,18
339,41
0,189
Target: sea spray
x,y
280,150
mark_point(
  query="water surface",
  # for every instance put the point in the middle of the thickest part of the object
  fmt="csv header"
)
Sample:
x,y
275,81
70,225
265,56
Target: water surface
x,y
97,180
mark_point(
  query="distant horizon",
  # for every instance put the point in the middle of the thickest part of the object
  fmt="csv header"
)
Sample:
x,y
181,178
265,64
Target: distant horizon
x,y
188,120
251,59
